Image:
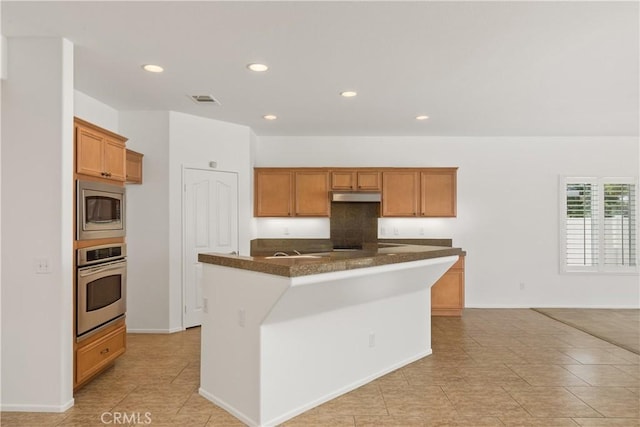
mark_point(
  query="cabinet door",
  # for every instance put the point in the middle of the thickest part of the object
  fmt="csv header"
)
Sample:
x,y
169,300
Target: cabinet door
x,y
97,354
311,193
438,193
134,167
368,180
400,193
343,180
89,152
115,160
447,294
273,192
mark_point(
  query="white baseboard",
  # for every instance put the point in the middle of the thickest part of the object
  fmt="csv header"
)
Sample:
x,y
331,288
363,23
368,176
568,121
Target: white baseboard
x,y
229,408
13,407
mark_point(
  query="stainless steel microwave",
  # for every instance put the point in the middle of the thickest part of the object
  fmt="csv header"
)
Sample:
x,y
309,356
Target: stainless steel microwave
x,y
100,210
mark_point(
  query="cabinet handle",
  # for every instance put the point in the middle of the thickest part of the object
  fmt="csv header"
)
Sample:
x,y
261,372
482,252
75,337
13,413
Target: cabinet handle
x,y
103,173
105,351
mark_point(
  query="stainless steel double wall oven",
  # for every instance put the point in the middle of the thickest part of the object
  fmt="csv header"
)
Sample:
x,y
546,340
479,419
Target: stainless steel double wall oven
x,y
101,279
101,286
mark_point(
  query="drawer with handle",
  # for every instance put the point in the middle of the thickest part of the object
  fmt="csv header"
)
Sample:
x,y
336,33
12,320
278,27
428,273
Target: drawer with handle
x,y
94,356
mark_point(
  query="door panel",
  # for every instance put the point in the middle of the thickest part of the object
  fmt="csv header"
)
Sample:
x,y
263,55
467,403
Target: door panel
x,y
210,224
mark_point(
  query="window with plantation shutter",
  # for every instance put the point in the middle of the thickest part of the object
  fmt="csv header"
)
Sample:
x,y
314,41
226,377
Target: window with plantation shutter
x,y
599,225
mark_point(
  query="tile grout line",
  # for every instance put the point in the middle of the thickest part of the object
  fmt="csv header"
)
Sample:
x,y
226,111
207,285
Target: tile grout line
x,y
578,397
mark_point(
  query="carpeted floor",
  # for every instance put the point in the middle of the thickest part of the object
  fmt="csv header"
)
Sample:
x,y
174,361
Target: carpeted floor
x,y
620,327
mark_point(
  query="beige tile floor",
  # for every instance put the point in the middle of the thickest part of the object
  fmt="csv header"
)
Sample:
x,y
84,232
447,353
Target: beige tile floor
x,y
489,368
620,327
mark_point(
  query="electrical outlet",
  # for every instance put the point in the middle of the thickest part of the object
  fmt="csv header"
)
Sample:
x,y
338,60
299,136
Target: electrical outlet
x,y
42,265
372,339
205,305
395,231
286,231
421,231
522,286
241,317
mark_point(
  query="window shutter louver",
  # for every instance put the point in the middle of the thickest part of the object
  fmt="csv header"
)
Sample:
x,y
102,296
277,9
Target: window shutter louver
x,y
581,225
619,224
599,230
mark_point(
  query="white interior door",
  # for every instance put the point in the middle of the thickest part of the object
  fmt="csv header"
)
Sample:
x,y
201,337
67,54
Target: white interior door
x,y
210,223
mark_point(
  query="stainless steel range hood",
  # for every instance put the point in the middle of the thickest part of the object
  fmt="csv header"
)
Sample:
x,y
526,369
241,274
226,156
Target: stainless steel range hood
x,y
355,196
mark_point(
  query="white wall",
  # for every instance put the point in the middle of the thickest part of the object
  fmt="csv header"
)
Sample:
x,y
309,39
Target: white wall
x,y
37,222
3,75
169,142
94,111
508,207
194,142
147,223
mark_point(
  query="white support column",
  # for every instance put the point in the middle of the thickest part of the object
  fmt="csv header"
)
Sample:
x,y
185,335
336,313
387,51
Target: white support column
x,y
37,226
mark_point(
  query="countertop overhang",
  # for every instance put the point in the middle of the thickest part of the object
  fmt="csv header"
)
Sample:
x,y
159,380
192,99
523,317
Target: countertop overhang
x,y
326,262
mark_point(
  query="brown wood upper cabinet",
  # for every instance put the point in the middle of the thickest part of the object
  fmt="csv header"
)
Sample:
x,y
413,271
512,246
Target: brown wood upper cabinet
x,y
406,192
350,180
134,167
290,192
400,193
438,192
429,192
99,152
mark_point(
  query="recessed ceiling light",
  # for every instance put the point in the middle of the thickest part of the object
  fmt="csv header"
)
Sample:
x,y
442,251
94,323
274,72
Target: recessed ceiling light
x,y
257,67
269,117
153,68
348,93
422,117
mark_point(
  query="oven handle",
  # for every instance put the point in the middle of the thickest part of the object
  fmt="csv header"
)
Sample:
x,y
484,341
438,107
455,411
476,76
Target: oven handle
x,y
114,265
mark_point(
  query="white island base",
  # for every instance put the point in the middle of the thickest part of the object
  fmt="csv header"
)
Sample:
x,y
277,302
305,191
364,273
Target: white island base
x,y
274,346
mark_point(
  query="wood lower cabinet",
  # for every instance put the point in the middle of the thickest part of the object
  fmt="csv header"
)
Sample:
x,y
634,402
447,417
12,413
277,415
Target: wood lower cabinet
x,y
99,152
96,353
134,167
447,294
291,193
352,180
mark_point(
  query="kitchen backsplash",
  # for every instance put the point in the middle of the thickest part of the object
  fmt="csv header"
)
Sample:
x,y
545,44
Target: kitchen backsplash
x,y
353,224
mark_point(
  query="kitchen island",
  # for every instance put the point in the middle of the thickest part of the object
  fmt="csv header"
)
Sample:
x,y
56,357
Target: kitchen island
x,y
281,335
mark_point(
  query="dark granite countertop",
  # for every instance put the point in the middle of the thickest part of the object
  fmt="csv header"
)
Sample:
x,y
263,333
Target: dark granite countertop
x,y
326,262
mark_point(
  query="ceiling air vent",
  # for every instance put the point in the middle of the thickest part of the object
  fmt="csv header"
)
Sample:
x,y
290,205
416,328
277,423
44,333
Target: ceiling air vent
x,y
204,99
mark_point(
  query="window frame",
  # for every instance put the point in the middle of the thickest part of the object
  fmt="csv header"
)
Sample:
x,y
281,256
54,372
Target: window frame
x,y
599,267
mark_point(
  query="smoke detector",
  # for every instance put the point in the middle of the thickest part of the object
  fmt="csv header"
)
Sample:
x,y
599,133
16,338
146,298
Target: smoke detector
x,y
204,99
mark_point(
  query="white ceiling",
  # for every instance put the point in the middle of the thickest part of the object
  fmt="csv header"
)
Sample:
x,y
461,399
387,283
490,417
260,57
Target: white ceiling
x,y
476,68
